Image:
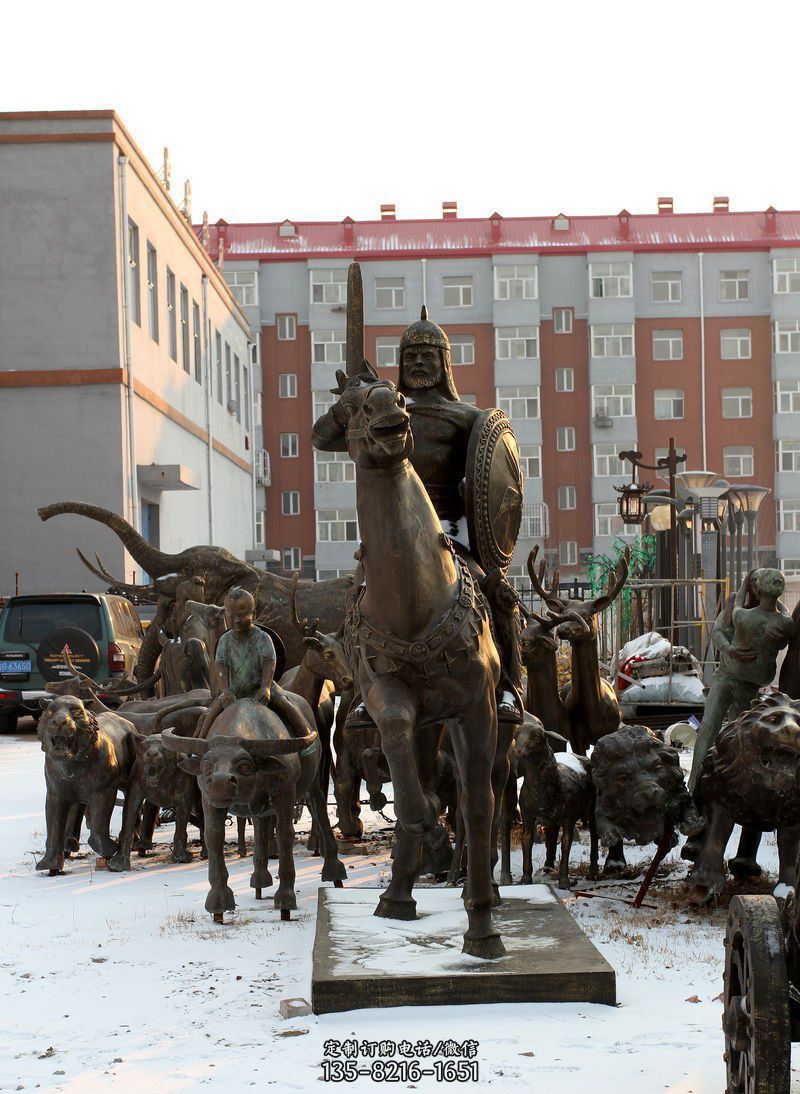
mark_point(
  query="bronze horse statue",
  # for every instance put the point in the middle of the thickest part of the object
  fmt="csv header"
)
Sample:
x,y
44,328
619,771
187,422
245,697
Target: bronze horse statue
x,y
419,641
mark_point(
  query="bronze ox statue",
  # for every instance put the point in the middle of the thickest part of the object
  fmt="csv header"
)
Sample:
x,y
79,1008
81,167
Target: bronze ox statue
x,y
88,760
251,766
419,641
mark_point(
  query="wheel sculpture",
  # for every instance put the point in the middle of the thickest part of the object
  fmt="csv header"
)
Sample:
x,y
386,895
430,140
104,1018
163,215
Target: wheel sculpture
x,y
756,1018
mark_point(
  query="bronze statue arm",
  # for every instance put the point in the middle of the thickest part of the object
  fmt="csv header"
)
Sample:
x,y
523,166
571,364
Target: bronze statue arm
x,y
226,696
267,674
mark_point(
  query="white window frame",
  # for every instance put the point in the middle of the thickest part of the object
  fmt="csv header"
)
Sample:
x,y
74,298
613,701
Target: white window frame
x,y
516,282
738,400
736,344
565,380
668,345
787,453
563,320
614,400
668,404
516,343
790,567
329,347
292,559
744,455
530,459
567,497
244,287
390,293
260,529
614,467
565,438
610,280
333,467
286,327
568,552
287,385
258,411
457,291
290,503
328,286
462,349
734,285
290,446
789,515
387,351
152,289
520,402
608,522
672,282
787,396
612,340
337,526
786,336
786,275
535,523
321,402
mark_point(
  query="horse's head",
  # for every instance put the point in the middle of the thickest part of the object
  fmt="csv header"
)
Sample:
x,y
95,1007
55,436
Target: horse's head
x,y
378,424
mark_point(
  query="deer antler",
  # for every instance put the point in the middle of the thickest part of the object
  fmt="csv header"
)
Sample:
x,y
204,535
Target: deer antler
x,y
614,589
73,668
549,596
307,627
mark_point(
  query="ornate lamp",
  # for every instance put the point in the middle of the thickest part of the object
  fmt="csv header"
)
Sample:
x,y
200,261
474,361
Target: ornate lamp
x,y
632,501
691,482
750,499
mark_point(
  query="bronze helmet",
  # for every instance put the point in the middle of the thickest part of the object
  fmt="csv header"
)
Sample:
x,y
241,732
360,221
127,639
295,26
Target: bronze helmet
x,y
424,333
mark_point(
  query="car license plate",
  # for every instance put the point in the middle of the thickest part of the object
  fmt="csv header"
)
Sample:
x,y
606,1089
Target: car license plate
x,y
15,667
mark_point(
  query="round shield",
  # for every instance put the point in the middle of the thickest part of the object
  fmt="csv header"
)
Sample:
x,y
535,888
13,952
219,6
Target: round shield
x,y
493,497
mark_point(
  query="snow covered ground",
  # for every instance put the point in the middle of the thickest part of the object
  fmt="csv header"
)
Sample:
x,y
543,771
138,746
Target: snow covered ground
x,y
122,982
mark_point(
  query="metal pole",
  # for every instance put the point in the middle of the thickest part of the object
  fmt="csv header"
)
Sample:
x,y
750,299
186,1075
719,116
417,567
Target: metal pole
x,y
751,527
739,525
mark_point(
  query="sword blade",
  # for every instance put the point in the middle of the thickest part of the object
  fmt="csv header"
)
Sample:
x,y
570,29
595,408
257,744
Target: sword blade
x,y
355,320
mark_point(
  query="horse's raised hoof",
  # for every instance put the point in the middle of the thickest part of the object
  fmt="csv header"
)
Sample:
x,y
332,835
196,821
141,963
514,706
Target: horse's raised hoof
x,y
744,866
286,915
396,909
488,947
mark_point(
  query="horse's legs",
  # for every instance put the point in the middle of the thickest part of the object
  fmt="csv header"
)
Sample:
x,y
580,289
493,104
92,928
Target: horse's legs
x,y
509,808
500,777
394,708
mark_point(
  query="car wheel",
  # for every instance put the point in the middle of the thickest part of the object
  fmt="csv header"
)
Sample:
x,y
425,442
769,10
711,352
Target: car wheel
x,y
8,722
83,651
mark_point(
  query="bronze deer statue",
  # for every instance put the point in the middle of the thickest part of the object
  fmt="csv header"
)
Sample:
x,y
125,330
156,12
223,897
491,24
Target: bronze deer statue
x,y
419,640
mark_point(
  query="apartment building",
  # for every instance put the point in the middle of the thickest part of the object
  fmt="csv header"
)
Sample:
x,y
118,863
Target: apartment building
x,y
125,368
594,334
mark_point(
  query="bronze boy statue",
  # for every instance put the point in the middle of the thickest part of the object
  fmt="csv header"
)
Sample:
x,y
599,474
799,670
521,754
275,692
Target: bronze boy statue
x,y
245,661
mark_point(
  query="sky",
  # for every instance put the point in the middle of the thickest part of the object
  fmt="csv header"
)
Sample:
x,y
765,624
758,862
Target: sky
x,y
315,111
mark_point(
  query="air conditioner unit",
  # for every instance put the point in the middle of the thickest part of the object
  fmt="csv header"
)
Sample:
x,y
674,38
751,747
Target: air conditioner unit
x,y
603,421
263,471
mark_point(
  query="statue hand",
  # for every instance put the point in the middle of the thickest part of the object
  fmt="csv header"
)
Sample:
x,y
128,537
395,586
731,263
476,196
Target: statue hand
x,y
227,697
263,695
743,655
774,635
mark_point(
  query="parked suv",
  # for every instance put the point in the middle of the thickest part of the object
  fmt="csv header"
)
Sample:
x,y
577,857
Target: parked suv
x,y
103,633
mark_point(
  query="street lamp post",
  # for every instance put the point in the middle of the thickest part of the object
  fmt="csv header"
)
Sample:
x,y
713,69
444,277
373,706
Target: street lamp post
x,y
750,499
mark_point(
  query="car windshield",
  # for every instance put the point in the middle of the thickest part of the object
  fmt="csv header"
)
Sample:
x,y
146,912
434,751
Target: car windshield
x,y
31,621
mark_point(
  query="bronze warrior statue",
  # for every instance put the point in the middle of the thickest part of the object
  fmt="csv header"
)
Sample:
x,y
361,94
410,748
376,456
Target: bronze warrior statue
x,y
441,426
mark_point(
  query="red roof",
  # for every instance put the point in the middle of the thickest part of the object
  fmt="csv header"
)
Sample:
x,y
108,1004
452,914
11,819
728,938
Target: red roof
x,y
404,238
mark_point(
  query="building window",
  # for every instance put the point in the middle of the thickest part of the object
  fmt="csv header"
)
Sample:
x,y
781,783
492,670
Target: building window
x,y
228,379
257,410
562,320
462,349
608,522
287,385
735,344
135,279
567,497
457,291
737,461
565,379
734,284
666,286
172,321
468,398
390,292
662,454
568,552
787,275
787,455
519,402
152,290
607,463
185,328
333,467
790,567
737,402
290,503
667,404
244,286
613,400
287,327
515,282
328,347
667,345
517,343
198,361
246,383
260,527
789,515
218,363
323,401
786,336
329,286
610,279
787,397
565,439
255,356
292,559
387,351
238,382
612,340
535,521
530,460
337,526
289,445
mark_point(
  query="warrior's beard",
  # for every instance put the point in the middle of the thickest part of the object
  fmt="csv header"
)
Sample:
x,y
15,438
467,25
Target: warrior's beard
x,y
422,383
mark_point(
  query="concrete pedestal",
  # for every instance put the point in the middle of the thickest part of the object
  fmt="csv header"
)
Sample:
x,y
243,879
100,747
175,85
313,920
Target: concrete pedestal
x,y
363,961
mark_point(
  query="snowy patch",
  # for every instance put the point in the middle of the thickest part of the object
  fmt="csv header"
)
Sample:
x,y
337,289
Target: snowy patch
x,y
573,762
